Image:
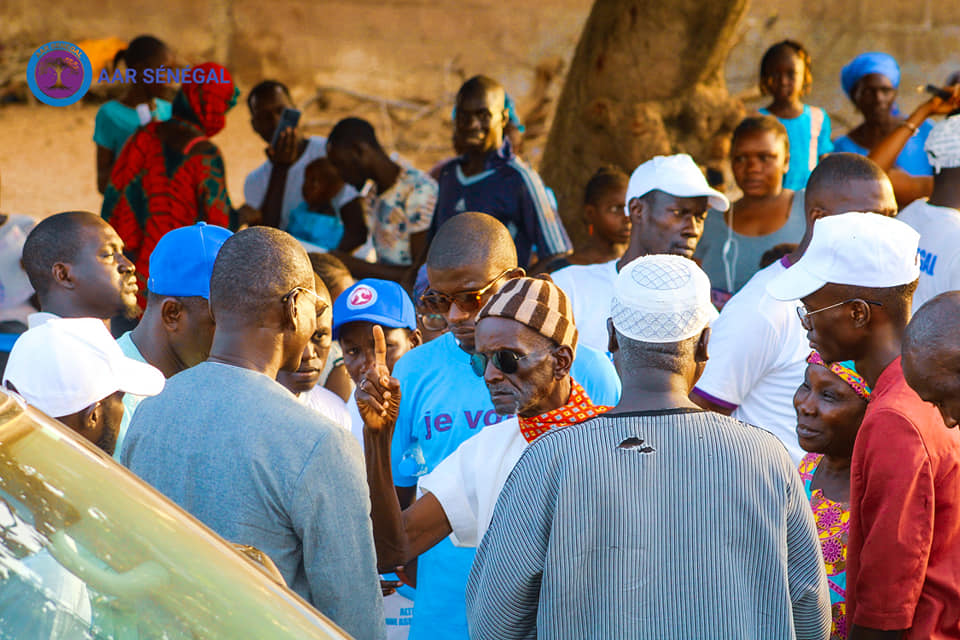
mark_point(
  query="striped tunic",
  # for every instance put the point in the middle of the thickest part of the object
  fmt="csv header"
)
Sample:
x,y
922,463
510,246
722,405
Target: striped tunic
x,y
667,524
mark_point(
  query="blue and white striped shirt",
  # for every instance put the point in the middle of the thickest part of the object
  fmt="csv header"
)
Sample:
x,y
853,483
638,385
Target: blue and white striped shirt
x,y
668,524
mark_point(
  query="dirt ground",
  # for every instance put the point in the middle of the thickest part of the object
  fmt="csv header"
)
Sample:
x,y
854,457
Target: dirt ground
x,y
47,160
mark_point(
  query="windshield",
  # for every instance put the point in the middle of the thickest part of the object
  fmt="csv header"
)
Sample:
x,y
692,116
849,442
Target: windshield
x,y
87,550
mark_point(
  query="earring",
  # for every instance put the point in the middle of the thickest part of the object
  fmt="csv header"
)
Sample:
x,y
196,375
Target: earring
x,y
590,229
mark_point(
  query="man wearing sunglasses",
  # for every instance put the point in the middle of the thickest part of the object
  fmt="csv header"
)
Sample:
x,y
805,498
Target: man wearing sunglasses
x,y
856,281
525,346
444,403
237,450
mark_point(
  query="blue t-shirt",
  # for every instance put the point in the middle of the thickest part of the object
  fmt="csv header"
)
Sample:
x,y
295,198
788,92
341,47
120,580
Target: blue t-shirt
x,y
322,229
800,136
912,159
116,122
511,192
443,403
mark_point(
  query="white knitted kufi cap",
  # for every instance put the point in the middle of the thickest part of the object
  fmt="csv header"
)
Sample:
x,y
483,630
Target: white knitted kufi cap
x,y
943,144
661,299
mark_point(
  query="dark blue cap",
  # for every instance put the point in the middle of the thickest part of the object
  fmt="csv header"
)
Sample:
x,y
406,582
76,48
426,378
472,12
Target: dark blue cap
x,y
378,301
182,262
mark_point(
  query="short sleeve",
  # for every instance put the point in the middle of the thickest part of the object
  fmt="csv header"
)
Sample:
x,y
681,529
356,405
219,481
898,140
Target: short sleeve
x,y
892,501
824,143
737,363
255,186
454,483
421,203
346,194
104,130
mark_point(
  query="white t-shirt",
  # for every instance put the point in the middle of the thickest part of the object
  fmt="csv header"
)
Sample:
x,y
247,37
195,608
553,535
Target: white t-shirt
x,y
328,404
467,483
758,351
590,289
258,180
939,253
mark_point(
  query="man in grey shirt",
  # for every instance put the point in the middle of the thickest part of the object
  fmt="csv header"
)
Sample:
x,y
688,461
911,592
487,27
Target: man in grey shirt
x,y
657,519
233,447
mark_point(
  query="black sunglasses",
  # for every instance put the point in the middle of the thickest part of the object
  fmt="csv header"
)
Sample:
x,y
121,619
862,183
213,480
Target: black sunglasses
x,y
505,360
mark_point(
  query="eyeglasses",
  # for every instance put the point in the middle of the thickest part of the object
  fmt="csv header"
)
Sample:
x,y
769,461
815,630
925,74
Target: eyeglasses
x,y
804,314
322,304
466,301
505,360
433,321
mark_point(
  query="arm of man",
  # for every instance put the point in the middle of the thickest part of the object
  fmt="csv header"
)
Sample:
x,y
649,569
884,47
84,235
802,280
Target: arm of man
x,y
541,220
396,272
503,592
330,512
399,537
282,156
354,226
892,491
744,346
809,592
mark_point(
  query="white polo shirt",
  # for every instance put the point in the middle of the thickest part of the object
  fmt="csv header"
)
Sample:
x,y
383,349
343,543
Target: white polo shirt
x,y
590,289
758,351
939,252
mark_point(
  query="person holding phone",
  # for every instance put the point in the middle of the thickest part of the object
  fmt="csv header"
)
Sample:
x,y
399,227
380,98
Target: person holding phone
x,y
275,188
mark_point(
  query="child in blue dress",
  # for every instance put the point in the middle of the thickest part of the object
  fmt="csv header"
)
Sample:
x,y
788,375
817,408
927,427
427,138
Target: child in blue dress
x,y
786,77
316,220
117,120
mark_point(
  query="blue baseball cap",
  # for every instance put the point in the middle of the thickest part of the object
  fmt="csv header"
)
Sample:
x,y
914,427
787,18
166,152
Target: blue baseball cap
x,y
182,262
378,301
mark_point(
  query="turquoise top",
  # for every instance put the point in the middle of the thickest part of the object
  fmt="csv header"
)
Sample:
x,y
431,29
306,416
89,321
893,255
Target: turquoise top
x,y
805,150
116,122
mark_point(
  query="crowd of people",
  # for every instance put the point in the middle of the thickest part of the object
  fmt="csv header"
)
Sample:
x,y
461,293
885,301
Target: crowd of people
x,y
728,413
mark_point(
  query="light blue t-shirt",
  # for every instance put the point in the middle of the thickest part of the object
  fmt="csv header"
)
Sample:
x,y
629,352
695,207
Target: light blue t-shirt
x,y
116,122
443,403
130,401
912,159
800,136
322,229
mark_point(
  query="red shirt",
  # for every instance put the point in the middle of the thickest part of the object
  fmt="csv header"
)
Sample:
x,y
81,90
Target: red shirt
x,y
903,554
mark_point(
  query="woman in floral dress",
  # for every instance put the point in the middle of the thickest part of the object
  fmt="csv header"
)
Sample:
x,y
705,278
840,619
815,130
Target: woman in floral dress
x,y
830,405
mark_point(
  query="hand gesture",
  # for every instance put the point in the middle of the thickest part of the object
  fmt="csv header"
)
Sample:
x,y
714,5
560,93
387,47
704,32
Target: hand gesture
x,y
284,152
378,394
940,106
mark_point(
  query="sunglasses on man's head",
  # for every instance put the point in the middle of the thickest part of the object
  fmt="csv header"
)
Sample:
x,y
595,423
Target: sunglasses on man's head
x,y
466,301
505,360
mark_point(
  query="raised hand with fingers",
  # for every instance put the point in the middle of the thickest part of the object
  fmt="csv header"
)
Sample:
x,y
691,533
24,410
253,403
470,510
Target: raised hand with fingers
x,y
378,393
284,152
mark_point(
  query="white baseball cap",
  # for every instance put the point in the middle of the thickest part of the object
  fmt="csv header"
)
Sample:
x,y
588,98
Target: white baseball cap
x,y
858,249
677,175
661,299
67,364
943,144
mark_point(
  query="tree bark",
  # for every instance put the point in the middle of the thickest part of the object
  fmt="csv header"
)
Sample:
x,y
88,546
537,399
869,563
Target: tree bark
x,y
646,80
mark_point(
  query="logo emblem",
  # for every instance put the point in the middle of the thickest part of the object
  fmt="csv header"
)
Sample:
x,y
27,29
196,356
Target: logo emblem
x,y
59,73
361,297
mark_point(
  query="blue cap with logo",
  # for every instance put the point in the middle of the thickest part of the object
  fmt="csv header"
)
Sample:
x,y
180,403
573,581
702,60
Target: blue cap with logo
x,y
378,301
182,262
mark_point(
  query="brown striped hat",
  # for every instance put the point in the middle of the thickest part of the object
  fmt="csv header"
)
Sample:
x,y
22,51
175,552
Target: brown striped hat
x,y
537,303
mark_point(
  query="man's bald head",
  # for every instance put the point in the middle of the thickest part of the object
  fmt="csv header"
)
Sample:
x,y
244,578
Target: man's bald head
x,y
254,269
472,239
931,354
481,86
845,182
57,239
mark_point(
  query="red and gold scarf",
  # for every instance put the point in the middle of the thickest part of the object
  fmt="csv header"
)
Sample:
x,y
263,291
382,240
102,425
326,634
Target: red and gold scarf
x,y
578,409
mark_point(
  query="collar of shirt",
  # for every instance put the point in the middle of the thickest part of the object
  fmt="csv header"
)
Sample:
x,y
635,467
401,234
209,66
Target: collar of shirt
x,y
578,409
496,157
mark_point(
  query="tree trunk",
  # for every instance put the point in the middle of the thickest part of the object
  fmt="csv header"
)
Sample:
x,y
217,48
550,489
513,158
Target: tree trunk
x,y
646,80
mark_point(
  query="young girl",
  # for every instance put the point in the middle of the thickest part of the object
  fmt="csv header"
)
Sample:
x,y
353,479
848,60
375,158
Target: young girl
x,y
785,76
605,217
117,120
767,214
